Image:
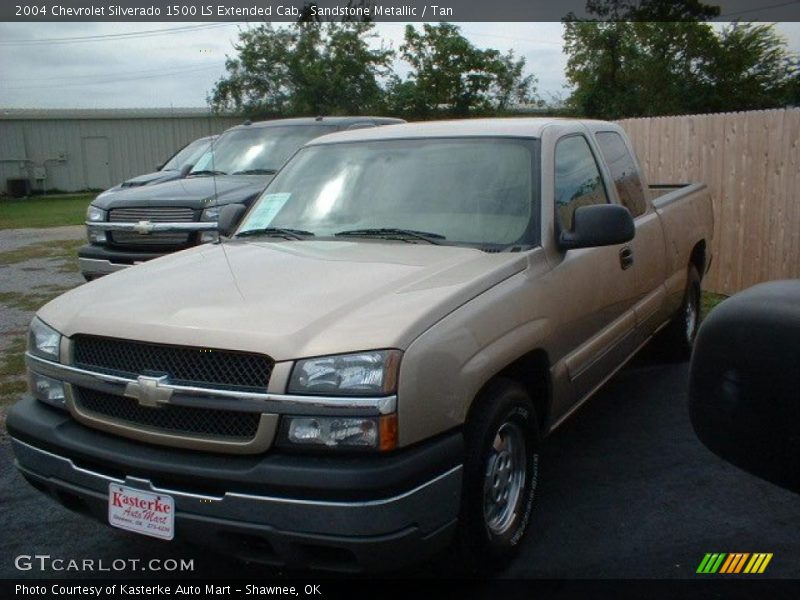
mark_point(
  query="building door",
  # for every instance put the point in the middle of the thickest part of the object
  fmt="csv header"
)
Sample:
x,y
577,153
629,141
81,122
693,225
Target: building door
x,y
96,163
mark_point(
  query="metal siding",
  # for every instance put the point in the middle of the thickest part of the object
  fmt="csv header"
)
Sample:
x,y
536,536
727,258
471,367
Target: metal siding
x,y
136,145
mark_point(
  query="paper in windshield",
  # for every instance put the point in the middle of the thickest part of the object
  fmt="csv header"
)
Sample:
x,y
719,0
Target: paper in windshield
x,y
265,211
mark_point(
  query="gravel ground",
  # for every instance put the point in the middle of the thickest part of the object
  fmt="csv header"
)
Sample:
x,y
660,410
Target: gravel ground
x,y
31,276
11,239
35,266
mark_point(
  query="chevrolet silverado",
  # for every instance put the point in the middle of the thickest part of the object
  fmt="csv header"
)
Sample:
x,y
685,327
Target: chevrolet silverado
x,y
362,371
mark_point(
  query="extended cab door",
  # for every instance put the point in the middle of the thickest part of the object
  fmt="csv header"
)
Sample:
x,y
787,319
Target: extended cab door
x,y
594,289
648,248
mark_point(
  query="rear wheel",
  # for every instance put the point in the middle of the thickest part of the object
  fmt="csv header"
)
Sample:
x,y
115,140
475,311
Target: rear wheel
x,y
500,471
682,331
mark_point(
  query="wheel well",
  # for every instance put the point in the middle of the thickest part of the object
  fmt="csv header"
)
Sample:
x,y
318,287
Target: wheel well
x,y
532,370
698,257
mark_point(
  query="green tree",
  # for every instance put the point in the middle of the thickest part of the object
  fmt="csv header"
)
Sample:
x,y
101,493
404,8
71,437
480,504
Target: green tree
x,y
304,69
448,75
751,69
655,57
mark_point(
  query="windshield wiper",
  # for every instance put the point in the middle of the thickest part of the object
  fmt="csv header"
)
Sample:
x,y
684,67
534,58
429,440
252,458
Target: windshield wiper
x,y
291,234
391,233
207,172
256,172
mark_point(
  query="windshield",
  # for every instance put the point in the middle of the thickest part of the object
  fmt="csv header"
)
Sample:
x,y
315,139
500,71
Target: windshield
x,y
257,150
475,191
188,155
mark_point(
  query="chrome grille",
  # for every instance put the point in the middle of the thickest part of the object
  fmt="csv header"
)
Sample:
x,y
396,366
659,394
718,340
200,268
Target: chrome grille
x,y
228,424
185,365
157,214
166,238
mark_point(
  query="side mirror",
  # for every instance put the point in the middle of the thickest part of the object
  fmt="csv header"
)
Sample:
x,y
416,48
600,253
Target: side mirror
x,y
598,225
185,170
744,382
229,217
160,166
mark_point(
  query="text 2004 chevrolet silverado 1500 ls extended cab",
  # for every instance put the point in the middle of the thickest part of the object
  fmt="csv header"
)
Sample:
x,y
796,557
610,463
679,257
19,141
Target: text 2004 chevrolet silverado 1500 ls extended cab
x,y
362,372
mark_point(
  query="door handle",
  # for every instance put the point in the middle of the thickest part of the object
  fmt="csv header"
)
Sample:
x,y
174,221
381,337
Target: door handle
x,y
626,257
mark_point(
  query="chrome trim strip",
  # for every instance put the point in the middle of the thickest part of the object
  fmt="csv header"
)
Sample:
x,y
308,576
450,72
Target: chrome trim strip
x,y
145,227
237,495
233,399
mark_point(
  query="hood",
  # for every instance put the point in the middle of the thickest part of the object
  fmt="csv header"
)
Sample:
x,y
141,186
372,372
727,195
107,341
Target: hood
x,y
149,178
286,299
192,192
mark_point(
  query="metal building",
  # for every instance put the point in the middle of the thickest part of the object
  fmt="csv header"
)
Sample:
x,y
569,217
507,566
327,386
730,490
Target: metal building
x,y
81,149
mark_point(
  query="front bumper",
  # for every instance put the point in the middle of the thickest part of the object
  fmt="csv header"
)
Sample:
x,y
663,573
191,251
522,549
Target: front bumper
x,y
96,261
341,513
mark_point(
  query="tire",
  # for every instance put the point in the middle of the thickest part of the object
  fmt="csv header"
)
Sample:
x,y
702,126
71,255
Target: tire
x,y
500,477
680,334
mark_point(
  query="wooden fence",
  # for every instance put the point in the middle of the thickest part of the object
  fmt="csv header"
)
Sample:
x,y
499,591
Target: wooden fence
x,y
751,163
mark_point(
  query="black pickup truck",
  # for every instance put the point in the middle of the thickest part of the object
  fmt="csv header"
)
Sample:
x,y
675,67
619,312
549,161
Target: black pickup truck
x,y
175,167
136,224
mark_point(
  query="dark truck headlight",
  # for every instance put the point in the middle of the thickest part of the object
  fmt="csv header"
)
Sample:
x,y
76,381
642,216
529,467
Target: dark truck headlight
x,y
209,214
45,342
94,234
364,374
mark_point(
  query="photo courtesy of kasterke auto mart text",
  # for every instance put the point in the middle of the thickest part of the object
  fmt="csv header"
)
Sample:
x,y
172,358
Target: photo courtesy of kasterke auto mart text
x,y
361,371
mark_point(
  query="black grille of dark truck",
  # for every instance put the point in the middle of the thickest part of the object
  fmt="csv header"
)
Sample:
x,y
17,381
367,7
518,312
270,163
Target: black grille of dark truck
x,y
185,365
233,425
158,214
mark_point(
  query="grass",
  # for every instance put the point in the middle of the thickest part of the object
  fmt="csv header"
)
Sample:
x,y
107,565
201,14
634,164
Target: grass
x,y
44,211
12,375
708,301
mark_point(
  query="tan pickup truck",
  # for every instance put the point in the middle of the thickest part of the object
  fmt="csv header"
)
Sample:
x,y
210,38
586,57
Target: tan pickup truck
x,y
362,373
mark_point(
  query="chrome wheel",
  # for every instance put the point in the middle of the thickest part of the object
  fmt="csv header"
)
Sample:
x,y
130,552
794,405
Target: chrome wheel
x,y
504,479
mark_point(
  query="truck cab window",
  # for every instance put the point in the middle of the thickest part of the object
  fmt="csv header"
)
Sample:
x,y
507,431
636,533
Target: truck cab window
x,y
578,181
623,170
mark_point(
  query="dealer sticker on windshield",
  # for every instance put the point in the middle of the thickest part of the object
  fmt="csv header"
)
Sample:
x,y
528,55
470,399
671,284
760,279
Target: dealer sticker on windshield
x,y
265,211
141,512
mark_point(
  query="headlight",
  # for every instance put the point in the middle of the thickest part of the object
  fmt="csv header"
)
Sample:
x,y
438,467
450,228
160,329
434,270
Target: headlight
x,y
46,389
43,340
95,215
345,433
362,374
210,214
96,235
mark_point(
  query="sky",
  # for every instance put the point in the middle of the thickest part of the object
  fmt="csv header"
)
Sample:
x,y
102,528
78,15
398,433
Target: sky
x,y
149,65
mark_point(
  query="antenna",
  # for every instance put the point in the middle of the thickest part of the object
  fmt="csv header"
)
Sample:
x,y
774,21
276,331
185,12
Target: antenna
x,y
216,205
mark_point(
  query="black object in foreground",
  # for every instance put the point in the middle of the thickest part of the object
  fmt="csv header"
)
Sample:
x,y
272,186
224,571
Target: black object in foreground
x,y
744,396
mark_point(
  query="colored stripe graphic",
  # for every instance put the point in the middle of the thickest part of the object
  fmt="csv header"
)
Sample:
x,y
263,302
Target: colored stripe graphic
x,y
711,562
728,563
741,562
734,563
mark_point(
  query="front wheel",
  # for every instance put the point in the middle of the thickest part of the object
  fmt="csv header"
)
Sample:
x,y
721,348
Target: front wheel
x,y
500,472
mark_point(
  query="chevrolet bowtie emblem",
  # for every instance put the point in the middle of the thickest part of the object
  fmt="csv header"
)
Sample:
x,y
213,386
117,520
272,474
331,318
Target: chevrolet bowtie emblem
x,y
143,227
148,391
